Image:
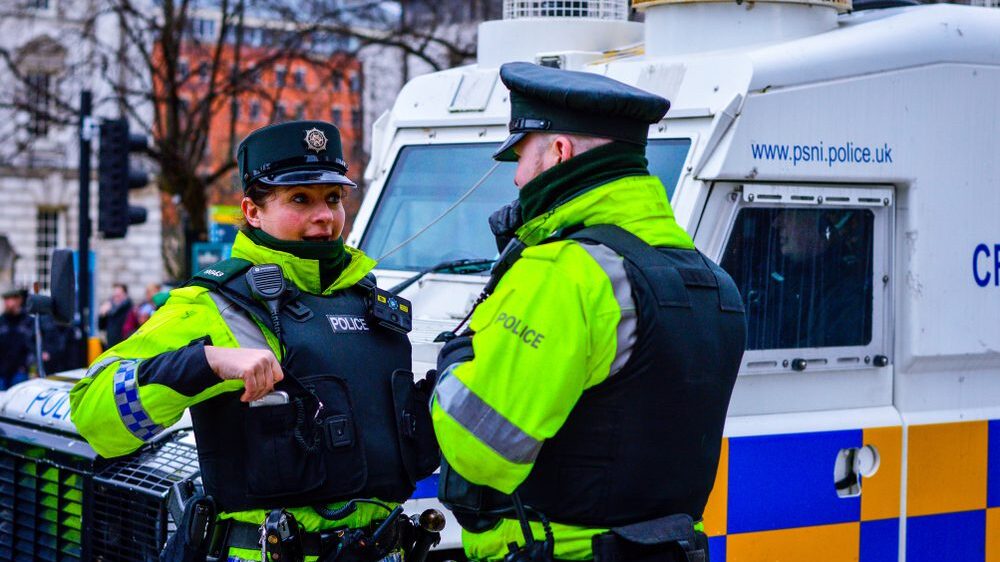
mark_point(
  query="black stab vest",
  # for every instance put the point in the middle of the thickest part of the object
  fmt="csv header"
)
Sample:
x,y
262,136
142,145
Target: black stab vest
x,y
355,424
645,442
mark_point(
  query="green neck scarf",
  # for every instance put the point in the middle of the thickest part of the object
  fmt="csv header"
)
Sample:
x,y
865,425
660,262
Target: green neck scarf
x,y
579,174
332,256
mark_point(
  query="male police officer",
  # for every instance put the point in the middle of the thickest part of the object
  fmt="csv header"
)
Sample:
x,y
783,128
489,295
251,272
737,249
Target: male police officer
x,y
597,380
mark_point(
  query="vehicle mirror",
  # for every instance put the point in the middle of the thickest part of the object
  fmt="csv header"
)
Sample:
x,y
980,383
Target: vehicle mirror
x,y
62,283
63,287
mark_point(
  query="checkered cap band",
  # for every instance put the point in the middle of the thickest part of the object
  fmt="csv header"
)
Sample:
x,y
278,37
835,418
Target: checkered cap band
x,y
129,405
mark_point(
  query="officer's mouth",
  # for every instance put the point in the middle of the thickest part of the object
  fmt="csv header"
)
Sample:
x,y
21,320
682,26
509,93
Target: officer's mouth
x,y
318,238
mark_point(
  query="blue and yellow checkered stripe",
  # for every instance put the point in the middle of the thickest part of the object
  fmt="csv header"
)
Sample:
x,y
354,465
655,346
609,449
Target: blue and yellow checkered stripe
x,y
774,497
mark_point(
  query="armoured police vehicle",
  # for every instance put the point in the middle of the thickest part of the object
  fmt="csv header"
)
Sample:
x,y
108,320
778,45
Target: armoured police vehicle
x,y
840,162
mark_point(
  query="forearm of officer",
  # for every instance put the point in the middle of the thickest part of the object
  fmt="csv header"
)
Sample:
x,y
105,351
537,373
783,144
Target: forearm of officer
x,y
141,386
130,401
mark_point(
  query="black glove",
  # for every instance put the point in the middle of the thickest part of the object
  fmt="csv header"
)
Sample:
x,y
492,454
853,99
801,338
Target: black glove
x,y
504,222
458,350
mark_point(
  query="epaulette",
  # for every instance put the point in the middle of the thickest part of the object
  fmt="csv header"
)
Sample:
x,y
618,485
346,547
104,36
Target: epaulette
x,y
216,275
368,282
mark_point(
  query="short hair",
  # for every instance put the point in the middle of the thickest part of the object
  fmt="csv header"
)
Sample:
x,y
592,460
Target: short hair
x,y
581,143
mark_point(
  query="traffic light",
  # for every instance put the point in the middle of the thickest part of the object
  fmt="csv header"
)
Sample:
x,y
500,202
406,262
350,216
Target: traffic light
x,y
116,178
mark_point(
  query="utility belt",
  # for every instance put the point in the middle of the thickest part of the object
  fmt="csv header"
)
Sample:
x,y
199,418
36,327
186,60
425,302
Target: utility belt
x,y
667,539
236,534
281,539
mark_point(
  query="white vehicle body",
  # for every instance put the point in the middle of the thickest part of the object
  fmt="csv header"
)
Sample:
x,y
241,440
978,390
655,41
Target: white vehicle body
x,y
891,113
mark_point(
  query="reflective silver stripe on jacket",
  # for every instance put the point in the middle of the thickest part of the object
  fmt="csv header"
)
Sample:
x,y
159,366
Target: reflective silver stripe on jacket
x,y
100,365
130,409
485,423
247,333
614,267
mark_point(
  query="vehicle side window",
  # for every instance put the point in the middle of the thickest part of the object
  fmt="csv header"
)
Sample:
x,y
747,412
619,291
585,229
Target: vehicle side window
x,y
805,275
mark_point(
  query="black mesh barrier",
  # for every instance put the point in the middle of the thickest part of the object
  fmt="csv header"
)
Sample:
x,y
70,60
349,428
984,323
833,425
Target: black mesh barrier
x,y
41,509
59,501
130,518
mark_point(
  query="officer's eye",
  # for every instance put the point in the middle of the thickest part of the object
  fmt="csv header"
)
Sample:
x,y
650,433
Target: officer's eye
x,y
333,198
300,198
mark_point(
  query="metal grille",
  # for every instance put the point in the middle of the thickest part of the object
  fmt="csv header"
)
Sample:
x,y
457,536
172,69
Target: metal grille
x,y
41,509
591,9
130,522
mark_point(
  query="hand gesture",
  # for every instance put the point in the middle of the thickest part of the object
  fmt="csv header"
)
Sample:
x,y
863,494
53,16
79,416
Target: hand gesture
x,y
257,368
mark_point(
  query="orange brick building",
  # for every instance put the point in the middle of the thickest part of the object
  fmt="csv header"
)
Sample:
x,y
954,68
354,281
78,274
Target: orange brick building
x,y
323,86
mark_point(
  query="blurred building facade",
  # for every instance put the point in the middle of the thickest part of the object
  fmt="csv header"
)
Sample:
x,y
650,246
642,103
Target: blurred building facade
x,y
46,64
321,81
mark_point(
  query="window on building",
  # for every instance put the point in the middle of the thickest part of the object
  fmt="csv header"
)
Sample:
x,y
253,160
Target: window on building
x,y
355,82
254,110
300,78
203,28
280,113
203,71
280,73
39,94
47,238
805,275
356,120
183,70
253,36
336,80
337,116
38,4
300,111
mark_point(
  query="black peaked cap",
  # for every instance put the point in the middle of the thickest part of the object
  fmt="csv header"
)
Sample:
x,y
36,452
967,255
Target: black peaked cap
x,y
293,153
544,99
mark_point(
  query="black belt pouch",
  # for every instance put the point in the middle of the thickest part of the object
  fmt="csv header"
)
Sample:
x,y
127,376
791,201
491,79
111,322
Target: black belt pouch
x,y
667,539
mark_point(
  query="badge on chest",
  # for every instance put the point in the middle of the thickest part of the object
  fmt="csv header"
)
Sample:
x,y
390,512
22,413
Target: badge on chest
x,y
345,323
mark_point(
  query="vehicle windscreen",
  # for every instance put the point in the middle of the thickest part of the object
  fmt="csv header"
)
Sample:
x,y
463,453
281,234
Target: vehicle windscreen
x,y
427,180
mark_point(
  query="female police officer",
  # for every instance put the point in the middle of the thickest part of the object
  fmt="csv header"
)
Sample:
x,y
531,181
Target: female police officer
x,y
297,381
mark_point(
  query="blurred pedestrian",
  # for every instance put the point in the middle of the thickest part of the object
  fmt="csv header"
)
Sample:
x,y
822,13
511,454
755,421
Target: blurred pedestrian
x,y
112,314
148,306
60,346
17,337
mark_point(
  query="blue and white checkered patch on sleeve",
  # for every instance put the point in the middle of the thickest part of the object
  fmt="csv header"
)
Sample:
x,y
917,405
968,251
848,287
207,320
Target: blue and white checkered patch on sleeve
x,y
130,408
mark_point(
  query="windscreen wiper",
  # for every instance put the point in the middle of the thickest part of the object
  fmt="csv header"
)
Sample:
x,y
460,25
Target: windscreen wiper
x,y
461,267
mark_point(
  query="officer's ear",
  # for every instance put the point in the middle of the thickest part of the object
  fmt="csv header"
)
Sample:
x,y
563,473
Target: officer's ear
x,y
562,147
251,212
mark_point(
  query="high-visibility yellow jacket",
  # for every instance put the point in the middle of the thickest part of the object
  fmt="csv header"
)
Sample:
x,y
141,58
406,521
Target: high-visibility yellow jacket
x,y
190,315
548,332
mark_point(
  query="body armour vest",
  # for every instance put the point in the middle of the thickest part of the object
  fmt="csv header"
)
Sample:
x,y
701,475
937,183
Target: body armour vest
x,y
645,442
354,425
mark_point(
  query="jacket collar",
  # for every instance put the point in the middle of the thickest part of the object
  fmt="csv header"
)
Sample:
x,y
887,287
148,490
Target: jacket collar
x,y
304,272
636,203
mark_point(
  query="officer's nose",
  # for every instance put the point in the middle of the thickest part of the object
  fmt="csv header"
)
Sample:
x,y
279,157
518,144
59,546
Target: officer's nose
x,y
322,214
